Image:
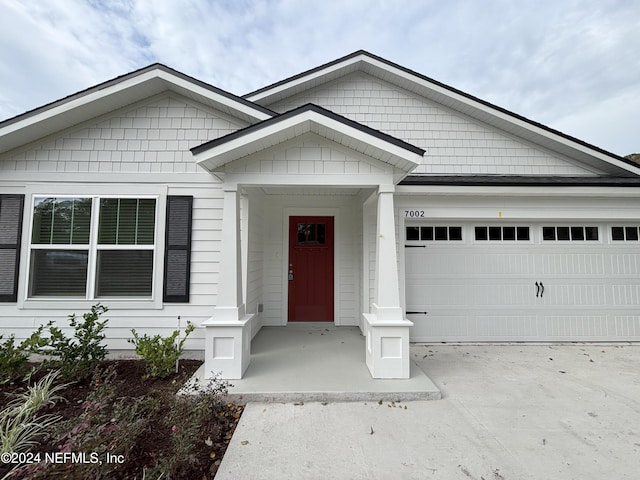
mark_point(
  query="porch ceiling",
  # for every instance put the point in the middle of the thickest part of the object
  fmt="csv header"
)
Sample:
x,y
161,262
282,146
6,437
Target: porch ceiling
x,y
308,118
319,191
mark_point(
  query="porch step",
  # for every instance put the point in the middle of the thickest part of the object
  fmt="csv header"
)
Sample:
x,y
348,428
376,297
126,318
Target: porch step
x,y
319,364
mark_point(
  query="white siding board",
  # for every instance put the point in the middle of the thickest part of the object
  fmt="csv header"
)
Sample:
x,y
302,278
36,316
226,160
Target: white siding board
x,y
451,139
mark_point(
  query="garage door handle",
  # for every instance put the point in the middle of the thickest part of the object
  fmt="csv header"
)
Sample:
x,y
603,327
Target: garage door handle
x,y
542,292
537,290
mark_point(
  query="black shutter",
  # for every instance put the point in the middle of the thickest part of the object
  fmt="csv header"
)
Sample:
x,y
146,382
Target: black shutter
x,y
177,257
11,207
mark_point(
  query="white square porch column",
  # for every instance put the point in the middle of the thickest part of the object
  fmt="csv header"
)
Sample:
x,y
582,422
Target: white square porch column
x,y
386,328
228,331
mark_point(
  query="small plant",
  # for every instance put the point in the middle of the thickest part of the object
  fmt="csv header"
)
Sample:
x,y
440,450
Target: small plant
x,y
78,356
13,360
20,424
160,353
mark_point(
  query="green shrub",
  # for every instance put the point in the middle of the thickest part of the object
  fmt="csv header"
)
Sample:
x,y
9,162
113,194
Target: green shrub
x,y
78,356
13,360
160,353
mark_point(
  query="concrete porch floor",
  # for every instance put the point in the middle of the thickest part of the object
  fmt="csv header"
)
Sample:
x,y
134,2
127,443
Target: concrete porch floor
x,y
318,362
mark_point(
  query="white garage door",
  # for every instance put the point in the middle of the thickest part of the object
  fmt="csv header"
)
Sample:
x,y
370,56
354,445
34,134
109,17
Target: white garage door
x,y
524,282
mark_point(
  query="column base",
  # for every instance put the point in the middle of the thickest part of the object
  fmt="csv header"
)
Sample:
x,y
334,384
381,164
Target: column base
x,y
227,347
387,347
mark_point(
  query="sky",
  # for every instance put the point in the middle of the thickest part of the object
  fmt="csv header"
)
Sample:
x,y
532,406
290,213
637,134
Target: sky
x,y
573,65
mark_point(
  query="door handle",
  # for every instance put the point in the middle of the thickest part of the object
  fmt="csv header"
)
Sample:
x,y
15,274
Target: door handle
x,y
542,292
537,290
290,275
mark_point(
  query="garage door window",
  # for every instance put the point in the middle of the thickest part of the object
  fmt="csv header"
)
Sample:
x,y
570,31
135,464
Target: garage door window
x,y
508,233
572,233
431,233
627,234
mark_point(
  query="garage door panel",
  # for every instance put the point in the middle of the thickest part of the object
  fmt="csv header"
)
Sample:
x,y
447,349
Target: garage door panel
x,y
624,264
565,264
492,291
625,326
624,294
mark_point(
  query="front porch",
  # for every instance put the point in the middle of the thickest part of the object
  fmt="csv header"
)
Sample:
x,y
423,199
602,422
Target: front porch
x,y
319,362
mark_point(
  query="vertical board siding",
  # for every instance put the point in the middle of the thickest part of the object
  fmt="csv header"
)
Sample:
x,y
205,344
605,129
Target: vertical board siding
x,y
150,137
454,143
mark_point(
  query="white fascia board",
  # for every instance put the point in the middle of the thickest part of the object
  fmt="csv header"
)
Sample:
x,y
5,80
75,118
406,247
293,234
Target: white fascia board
x,y
304,122
293,84
516,191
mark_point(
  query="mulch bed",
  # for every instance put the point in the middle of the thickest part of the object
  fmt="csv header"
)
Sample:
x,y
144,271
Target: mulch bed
x,y
207,450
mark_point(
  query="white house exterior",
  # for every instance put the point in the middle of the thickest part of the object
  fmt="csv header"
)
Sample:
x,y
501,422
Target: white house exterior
x,y
358,193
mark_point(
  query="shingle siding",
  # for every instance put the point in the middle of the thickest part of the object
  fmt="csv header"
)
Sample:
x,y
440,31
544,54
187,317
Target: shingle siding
x,y
454,143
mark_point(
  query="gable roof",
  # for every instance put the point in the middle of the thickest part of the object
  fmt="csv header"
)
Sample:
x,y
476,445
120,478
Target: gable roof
x,y
449,97
117,93
308,118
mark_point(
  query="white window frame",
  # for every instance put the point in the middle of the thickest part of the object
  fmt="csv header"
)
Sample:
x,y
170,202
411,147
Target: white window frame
x,y
95,192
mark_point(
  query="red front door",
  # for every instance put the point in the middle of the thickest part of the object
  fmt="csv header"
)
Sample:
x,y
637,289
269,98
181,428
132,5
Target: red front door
x,y
310,269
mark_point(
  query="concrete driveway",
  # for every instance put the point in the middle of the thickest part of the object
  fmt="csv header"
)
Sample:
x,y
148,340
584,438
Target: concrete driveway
x,y
507,412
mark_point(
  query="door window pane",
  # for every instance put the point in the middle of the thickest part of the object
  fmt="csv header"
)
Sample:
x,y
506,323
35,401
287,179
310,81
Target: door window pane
x,y
577,233
631,233
509,233
523,233
426,233
441,233
413,233
495,233
455,233
481,233
311,234
563,233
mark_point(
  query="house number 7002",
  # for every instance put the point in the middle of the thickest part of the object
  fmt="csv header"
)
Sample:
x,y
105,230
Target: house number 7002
x,y
414,213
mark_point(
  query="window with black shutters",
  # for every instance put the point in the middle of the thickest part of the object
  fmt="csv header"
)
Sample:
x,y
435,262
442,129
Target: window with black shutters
x,y
11,208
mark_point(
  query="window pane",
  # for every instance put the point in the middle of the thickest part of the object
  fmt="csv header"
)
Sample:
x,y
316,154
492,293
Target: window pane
x,y
548,233
124,273
495,233
523,233
455,233
426,233
481,233
441,233
108,221
591,233
413,233
617,233
563,233
577,233
509,233
58,273
631,233
126,221
62,221
311,234
147,221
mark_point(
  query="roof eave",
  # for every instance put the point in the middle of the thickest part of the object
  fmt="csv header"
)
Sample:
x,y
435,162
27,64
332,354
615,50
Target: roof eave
x,y
309,118
117,93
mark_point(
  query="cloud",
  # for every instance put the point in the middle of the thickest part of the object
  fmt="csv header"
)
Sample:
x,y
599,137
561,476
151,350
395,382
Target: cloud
x,y
541,59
